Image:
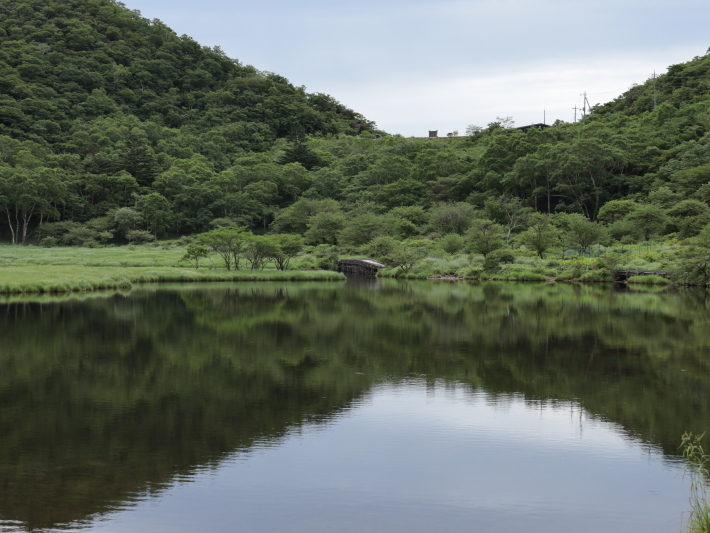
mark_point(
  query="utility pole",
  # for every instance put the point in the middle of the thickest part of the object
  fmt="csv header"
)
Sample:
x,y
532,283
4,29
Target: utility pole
x,y
575,112
585,104
654,89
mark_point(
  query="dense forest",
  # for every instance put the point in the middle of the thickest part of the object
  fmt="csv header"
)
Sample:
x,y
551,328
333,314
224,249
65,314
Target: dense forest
x,y
115,129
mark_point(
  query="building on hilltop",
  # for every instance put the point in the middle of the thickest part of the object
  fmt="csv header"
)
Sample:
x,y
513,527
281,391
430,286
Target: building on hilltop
x,y
538,126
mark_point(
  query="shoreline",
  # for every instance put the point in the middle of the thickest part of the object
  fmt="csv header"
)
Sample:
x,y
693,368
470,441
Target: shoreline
x,y
48,279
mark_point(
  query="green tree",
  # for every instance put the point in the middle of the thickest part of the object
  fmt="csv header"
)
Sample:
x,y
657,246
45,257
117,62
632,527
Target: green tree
x,y
452,243
615,210
228,243
541,234
484,237
648,219
451,218
195,252
29,192
156,212
259,250
509,212
288,247
127,219
582,232
324,228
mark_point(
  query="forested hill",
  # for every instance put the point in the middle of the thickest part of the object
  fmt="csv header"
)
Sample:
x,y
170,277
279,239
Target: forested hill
x,y
111,124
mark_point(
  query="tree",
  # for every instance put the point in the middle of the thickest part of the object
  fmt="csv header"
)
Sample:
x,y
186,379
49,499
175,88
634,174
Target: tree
x,y
324,228
583,170
648,219
29,192
258,250
484,237
451,243
451,218
404,258
695,259
127,219
615,210
228,243
582,232
509,212
361,229
195,252
288,247
156,212
541,234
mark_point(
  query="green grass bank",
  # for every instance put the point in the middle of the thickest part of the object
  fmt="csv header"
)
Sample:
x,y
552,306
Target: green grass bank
x,y
30,269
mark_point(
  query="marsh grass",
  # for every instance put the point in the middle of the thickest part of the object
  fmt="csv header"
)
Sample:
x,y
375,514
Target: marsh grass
x,y
648,280
32,269
697,464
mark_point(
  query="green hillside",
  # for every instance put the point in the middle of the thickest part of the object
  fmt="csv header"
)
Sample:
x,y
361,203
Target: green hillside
x,y
113,128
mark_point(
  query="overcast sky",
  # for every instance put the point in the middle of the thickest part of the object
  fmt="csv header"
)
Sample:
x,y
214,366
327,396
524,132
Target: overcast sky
x,y
416,65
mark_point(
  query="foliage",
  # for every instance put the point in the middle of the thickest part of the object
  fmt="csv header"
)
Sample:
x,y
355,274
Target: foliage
x,y
194,253
286,248
541,234
697,464
228,243
111,123
452,243
484,237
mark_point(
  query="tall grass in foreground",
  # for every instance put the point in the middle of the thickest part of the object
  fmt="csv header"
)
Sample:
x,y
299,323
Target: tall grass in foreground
x,y
697,465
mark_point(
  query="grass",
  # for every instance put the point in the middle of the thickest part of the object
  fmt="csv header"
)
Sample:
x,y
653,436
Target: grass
x,y
649,280
31,269
697,464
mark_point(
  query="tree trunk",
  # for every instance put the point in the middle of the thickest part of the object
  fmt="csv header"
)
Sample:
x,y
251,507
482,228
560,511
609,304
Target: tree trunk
x,y
12,229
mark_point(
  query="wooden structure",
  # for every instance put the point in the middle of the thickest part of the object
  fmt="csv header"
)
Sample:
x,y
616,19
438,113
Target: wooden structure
x,y
538,126
361,267
433,134
624,275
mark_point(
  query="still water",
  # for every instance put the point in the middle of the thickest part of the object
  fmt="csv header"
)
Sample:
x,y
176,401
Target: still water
x,y
387,406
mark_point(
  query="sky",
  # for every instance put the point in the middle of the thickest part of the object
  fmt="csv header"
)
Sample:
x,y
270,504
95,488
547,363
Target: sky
x,y
413,66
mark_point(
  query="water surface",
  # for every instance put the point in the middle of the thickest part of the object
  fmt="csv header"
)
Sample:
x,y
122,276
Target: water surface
x,y
391,406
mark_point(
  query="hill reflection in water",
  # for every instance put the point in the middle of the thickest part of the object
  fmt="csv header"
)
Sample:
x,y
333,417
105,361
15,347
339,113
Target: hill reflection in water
x,y
106,400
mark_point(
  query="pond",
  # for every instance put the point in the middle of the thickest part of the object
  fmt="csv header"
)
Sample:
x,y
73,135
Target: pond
x,y
360,406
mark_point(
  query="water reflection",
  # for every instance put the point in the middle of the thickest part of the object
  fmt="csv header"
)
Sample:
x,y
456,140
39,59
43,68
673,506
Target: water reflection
x,y
105,401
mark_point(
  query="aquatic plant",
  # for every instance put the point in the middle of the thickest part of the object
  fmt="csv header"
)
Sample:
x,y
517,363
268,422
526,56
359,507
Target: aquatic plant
x,y
697,464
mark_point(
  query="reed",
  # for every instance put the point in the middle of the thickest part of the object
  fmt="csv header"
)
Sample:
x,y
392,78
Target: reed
x,y
697,463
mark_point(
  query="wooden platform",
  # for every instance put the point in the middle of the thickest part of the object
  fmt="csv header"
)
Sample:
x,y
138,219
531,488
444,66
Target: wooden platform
x,y
624,275
361,267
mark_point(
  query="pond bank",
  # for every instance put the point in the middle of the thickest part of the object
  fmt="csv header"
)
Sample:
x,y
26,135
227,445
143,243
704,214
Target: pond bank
x,y
52,279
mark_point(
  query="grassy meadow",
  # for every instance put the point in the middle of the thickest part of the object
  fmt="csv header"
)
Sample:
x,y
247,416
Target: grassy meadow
x,y
25,269
34,269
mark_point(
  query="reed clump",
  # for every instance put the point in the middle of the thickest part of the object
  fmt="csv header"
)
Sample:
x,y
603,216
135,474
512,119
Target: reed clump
x,y
698,468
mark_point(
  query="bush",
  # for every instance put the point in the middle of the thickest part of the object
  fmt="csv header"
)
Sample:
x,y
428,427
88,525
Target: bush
x,y
79,236
380,247
649,280
139,236
597,275
48,242
451,243
327,257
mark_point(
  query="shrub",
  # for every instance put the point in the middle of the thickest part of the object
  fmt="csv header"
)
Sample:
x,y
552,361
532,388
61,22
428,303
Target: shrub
x,y
451,243
597,275
139,236
48,242
649,280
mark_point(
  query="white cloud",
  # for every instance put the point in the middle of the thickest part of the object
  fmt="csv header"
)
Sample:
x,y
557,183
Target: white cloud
x,y
415,65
